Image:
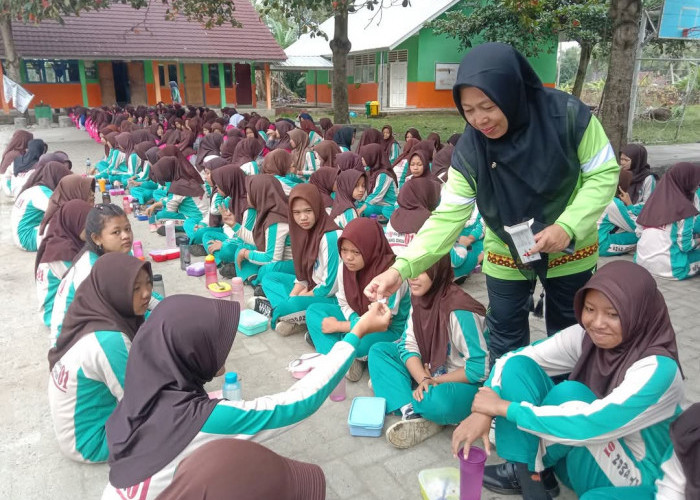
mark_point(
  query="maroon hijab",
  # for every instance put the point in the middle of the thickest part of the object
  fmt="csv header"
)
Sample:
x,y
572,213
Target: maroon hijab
x,y
268,199
327,151
277,162
306,242
345,185
350,161
414,133
15,148
125,144
367,235
685,435
324,178
104,301
673,198
180,348
283,128
425,160
48,175
228,148
639,168
378,162
230,180
416,201
210,145
70,187
388,143
370,136
646,326
185,181
246,151
442,161
62,240
408,148
431,312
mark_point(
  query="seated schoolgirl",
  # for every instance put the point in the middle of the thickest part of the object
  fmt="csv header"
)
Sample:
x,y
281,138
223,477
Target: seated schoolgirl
x,y
608,424
31,204
238,221
141,186
370,136
412,133
350,190
669,226
442,160
246,156
306,123
271,230
23,166
209,148
166,414
228,147
127,162
62,242
291,287
326,153
324,179
468,251
88,362
364,252
617,226
282,129
432,374
633,157
262,126
14,149
305,161
251,132
350,161
70,187
107,230
679,473
344,138
382,188
390,143
186,198
279,163
416,201
419,164
196,230
104,167
400,165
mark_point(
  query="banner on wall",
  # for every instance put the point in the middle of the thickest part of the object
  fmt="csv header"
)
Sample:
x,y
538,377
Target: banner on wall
x,y
16,94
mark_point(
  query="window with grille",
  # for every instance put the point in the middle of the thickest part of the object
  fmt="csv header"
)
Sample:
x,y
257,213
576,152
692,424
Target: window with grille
x,y
365,68
398,56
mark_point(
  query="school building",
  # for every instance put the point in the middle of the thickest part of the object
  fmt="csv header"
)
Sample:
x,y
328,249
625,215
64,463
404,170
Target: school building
x,y
127,56
394,58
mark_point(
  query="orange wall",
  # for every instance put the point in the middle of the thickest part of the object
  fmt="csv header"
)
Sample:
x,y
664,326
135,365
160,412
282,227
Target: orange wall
x,y
424,95
324,94
62,95
356,96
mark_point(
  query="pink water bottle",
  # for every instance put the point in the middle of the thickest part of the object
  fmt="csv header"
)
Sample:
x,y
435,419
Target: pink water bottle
x,y
126,205
137,249
238,292
210,275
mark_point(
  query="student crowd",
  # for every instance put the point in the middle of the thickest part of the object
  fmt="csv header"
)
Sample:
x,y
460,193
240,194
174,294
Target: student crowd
x,y
310,216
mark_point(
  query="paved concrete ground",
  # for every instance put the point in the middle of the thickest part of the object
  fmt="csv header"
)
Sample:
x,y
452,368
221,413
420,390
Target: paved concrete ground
x,y
356,468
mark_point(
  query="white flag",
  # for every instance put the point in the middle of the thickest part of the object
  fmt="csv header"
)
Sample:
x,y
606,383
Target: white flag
x,y
15,93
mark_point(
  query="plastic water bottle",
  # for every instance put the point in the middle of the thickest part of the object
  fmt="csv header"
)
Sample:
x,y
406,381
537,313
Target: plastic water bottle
x,y
137,249
238,292
373,217
185,256
126,205
106,199
88,164
232,387
170,234
158,286
210,275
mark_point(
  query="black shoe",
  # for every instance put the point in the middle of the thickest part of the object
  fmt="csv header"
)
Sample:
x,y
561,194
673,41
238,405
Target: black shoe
x,y
461,280
228,270
504,479
161,231
198,250
260,305
258,291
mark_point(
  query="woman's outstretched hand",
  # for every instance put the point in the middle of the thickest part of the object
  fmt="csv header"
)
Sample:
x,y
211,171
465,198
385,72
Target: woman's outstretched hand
x,y
384,285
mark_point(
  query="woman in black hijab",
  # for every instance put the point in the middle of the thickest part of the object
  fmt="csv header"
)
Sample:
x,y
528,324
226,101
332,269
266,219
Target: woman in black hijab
x,y
529,153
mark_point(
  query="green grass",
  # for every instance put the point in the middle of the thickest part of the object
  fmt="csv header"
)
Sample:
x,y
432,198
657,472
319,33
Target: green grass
x,y
444,123
653,132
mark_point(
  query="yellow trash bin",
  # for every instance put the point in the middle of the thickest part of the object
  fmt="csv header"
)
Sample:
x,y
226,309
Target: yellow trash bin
x,y
374,108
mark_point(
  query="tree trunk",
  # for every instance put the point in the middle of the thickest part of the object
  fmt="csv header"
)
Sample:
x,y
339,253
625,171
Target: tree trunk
x,y
340,45
11,59
626,17
584,59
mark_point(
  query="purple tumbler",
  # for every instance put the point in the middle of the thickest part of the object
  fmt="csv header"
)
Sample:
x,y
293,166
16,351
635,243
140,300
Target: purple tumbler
x,y
471,473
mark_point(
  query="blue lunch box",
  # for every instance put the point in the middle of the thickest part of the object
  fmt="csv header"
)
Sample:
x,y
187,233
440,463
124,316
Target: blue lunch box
x,y
366,417
251,322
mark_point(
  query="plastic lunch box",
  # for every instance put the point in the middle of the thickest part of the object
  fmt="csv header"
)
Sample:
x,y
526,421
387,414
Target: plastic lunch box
x,y
251,322
439,484
366,417
196,269
163,255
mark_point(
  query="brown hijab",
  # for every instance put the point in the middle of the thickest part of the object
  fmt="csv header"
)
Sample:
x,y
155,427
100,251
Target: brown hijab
x,y
388,143
378,162
431,312
277,162
186,181
408,148
345,185
442,161
48,175
370,136
434,137
125,144
163,170
416,201
685,435
62,240
324,179
268,199
180,348
350,161
327,152
673,198
305,242
210,145
246,151
142,149
301,144
283,128
70,187
425,160
639,168
646,326
230,180
104,301
414,133
15,148
228,148
218,469
368,236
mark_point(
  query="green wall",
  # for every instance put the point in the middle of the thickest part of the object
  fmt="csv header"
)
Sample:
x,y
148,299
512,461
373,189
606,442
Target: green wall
x,y
148,71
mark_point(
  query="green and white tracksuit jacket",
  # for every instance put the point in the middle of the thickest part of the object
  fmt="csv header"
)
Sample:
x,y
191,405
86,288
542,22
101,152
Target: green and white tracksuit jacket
x,y
26,216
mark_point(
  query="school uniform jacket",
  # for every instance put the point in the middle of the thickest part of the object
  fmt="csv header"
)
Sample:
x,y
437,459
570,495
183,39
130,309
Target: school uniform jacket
x,y
670,251
192,207
325,272
26,216
277,246
344,219
384,193
48,277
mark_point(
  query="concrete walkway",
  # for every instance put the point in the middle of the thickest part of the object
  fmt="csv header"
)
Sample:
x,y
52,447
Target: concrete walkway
x,y
356,468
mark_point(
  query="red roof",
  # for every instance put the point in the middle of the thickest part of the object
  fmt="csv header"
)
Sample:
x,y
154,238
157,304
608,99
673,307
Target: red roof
x,y
121,32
